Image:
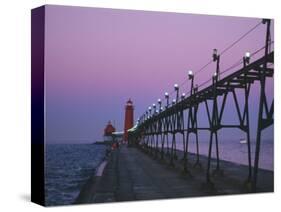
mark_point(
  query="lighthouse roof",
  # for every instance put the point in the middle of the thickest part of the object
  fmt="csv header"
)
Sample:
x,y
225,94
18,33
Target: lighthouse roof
x,y
129,102
109,129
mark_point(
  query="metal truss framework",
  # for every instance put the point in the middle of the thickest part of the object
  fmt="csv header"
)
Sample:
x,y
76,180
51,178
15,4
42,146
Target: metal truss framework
x,y
153,132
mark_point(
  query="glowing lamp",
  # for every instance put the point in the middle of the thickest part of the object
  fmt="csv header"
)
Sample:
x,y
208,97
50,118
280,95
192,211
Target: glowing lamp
x,y
176,86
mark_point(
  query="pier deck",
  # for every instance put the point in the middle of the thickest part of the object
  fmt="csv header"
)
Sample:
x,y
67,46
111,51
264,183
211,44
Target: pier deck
x,y
133,175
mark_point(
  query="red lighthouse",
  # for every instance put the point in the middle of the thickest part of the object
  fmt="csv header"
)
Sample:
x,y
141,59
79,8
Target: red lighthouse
x,y
129,118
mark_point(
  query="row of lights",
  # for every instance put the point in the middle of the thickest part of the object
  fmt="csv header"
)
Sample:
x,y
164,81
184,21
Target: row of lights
x,y
148,114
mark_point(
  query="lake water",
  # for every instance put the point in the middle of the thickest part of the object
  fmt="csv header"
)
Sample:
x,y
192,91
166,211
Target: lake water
x,y
234,151
68,167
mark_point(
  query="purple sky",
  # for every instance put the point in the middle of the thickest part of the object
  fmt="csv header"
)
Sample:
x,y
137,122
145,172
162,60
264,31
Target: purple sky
x,y
96,59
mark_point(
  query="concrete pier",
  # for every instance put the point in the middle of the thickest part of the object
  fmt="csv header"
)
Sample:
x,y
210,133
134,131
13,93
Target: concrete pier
x,y
130,174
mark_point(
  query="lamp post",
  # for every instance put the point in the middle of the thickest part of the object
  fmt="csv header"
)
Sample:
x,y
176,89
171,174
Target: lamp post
x,y
215,78
159,102
146,115
154,107
246,58
176,87
182,96
191,77
149,109
167,98
216,58
190,114
166,130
